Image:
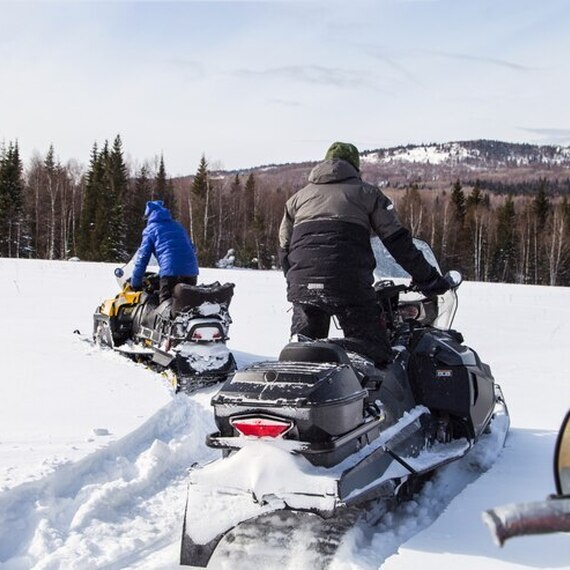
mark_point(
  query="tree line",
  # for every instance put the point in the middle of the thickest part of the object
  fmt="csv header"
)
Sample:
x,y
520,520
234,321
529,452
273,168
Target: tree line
x,y
52,210
513,239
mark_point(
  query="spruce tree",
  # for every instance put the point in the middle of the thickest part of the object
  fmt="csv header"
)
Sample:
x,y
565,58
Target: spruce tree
x,y
476,197
540,212
11,201
541,204
199,200
100,233
141,193
163,189
505,247
116,186
85,240
200,182
458,201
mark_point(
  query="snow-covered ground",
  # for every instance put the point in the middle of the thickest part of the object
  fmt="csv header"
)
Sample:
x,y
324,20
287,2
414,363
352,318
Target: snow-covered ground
x,y
94,448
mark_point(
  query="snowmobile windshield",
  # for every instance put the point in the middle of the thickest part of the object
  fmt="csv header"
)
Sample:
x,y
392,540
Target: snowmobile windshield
x,y
124,273
446,309
388,268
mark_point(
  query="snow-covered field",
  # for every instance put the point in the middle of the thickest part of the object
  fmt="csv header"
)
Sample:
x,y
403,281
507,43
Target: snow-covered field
x,y
94,448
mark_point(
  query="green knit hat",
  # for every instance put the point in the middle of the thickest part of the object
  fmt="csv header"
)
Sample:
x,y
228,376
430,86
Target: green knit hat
x,y
346,151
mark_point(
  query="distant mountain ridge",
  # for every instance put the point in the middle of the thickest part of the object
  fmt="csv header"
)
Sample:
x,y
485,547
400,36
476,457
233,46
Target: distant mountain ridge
x,y
502,167
478,154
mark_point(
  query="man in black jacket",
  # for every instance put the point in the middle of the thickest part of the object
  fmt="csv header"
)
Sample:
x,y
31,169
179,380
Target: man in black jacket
x,y
327,257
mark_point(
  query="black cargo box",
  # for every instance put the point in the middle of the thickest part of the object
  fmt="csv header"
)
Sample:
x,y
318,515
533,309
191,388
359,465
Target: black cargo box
x,y
325,400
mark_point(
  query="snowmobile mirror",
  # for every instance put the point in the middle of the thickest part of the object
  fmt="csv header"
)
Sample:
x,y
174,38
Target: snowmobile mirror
x,y
562,458
454,278
118,272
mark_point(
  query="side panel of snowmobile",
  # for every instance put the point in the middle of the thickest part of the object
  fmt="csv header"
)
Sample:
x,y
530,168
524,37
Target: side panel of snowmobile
x,y
449,377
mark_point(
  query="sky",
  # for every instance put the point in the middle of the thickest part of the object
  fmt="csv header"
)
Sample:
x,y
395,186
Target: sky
x,y
263,82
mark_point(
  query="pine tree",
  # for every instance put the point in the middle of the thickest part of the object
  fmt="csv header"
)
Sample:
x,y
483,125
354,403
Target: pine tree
x,y
505,248
200,182
140,194
102,206
163,189
11,201
85,241
458,201
200,214
475,198
541,208
541,204
116,187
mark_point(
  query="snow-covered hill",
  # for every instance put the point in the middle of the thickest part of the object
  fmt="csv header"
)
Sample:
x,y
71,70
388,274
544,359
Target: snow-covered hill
x,y
480,154
94,448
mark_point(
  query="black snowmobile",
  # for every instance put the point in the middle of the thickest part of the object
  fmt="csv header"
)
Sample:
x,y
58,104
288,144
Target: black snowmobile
x,y
186,334
322,430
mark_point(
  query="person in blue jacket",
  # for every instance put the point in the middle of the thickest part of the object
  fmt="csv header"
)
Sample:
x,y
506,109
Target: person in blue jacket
x,y
172,247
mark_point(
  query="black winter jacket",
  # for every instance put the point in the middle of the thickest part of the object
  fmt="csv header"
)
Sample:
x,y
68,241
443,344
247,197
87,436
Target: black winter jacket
x,y
325,234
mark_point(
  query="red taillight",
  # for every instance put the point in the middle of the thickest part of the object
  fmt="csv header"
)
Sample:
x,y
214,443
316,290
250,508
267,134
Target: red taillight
x,y
206,333
261,427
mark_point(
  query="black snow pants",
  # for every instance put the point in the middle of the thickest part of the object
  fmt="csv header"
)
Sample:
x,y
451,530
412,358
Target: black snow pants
x,y
167,284
363,326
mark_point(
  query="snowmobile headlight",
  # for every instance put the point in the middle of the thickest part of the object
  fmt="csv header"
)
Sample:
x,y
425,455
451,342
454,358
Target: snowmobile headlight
x,y
261,427
409,311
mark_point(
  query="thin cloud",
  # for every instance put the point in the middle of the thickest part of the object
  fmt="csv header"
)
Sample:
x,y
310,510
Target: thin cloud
x,y
547,131
311,74
380,55
549,134
482,59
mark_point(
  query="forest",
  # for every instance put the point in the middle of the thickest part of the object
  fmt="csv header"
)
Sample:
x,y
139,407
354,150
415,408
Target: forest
x,y
517,233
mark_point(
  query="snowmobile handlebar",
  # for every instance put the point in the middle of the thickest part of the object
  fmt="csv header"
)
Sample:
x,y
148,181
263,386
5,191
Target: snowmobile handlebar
x,y
525,519
453,279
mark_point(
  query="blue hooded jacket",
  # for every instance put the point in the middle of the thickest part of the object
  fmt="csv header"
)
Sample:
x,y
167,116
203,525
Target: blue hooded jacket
x,y
169,242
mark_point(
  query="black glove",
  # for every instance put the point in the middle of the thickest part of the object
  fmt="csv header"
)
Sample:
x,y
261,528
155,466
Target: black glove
x,y
436,285
130,286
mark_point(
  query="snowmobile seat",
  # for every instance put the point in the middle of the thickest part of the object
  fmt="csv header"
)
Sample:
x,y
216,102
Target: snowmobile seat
x,y
315,351
186,297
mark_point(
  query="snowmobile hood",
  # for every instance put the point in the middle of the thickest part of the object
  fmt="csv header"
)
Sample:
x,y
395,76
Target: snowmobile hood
x,y
332,170
155,211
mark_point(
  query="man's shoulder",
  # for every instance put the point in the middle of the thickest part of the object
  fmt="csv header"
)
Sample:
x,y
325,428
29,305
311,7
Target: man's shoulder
x,y
369,187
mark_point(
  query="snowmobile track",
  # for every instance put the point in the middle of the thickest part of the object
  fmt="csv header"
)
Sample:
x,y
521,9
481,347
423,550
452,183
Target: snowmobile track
x,y
292,540
284,540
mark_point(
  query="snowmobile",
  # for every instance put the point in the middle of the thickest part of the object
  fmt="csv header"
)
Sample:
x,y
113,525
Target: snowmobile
x,y
186,334
322,430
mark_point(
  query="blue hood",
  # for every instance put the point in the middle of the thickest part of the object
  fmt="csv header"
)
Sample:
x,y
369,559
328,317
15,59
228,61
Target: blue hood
x,y
155,211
